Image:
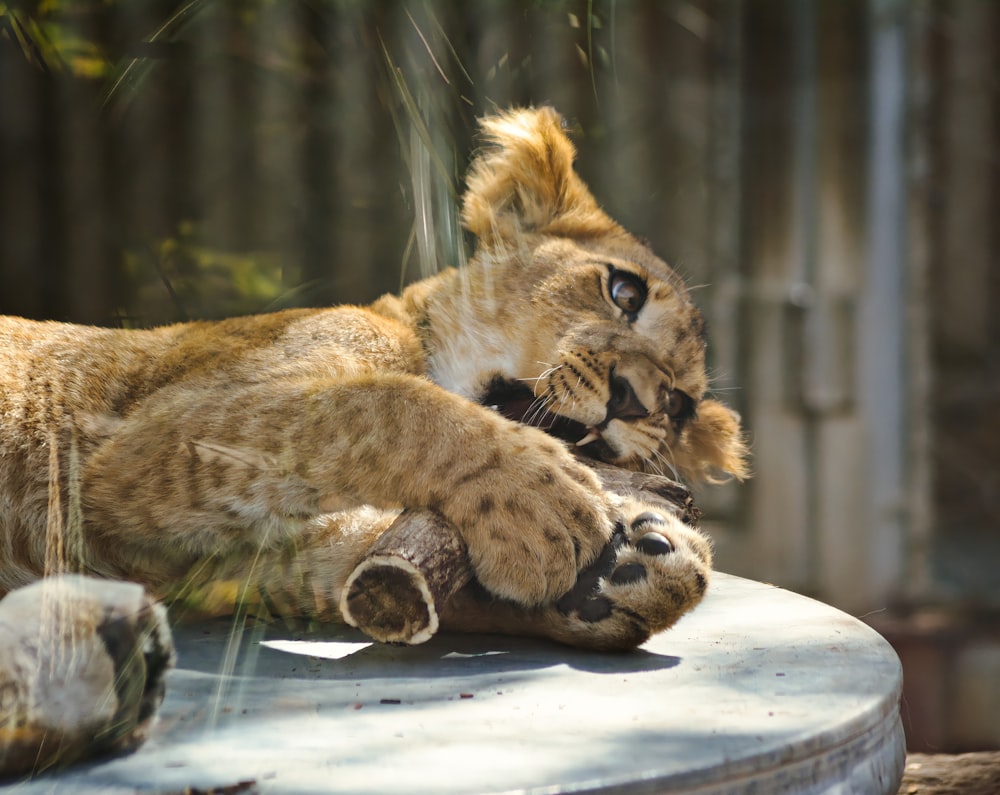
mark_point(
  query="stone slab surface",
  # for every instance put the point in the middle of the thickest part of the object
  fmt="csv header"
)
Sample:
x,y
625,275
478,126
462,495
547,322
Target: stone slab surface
x,y
758,690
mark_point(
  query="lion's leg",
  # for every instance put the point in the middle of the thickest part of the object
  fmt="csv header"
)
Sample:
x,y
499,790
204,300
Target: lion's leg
x,y
400,576
220,469
302,576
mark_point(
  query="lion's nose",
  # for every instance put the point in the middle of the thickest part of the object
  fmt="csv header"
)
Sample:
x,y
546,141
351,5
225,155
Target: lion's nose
x,y
623,403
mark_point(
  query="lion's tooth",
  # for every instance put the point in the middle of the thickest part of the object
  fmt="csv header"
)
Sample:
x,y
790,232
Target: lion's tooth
x,y
592,436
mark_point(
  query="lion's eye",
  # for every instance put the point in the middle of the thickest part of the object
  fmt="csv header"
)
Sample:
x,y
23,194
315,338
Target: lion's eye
x,y
628,292
679,405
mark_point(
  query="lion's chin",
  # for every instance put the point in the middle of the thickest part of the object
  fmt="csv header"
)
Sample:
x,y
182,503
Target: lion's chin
x,y
516,402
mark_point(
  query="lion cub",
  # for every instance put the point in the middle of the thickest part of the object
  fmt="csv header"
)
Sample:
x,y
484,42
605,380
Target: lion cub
x,y
272,450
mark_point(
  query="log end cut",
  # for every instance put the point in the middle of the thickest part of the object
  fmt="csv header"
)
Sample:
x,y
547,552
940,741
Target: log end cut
x,y
388,599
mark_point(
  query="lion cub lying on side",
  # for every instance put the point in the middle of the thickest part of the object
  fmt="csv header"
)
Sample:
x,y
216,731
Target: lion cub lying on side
x,y
273,450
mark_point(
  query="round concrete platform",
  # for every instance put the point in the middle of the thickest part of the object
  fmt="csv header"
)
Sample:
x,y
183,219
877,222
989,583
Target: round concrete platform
x,y
759,690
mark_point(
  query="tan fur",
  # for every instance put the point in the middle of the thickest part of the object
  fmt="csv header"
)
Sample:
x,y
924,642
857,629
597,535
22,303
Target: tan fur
x,y
280,444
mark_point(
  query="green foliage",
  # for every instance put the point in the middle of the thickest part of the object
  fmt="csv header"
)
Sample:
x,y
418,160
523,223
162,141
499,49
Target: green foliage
x,y
179,278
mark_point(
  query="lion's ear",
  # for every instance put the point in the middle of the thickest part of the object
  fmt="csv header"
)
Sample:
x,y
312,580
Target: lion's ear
x,y
713,448
523,181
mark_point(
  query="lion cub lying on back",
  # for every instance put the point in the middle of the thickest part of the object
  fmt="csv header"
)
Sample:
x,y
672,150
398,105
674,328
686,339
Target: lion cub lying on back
x,y
274,449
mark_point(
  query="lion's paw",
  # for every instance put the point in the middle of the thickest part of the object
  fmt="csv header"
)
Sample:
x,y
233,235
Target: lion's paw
x,y
83,666
531,520
654,569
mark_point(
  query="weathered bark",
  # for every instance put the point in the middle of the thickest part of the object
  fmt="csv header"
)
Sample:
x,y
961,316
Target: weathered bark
x,y
663,491
416,565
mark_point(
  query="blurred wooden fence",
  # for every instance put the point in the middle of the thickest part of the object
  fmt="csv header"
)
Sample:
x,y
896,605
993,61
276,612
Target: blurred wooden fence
x,y
204,158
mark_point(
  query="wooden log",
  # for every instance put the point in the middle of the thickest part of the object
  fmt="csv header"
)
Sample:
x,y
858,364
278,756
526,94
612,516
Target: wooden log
x,y
657,489
396,593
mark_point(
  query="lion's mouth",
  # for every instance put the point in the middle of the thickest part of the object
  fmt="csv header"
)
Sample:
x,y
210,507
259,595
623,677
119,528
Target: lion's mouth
x,y
516,402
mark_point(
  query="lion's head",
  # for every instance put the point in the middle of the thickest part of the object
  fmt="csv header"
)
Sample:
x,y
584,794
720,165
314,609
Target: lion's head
x,y
565,321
